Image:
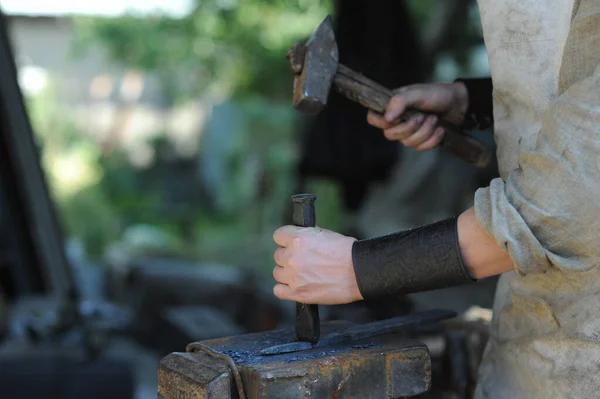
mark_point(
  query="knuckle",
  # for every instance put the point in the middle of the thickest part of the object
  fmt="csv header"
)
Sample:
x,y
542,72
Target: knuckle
x,y
295,288
425,138
298,241
377,124
411,139
430,144
397,101
279,235
425,133
280,257
277,255
417,120
389,134
402,131
416,143
275,235
277,273
294,262
407,143
371,118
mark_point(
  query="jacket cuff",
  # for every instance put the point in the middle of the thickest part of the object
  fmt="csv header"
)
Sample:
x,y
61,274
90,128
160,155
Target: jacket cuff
x,y
480,113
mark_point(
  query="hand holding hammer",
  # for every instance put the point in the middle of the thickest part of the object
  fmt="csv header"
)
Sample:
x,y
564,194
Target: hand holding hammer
x,y
317,68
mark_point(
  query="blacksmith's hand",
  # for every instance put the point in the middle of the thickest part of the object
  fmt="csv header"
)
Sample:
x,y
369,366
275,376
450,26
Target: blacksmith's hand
x,y
448,101
314,266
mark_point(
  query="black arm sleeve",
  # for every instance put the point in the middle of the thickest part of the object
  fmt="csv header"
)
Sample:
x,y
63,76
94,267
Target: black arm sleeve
x,y
479,114
421,259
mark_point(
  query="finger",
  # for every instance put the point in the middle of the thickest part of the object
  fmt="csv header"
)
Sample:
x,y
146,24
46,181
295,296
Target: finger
x,y
281,257
395,108
283,292
280,275
410,98
404,130
423,134
283,236
433,141
404,89
376,120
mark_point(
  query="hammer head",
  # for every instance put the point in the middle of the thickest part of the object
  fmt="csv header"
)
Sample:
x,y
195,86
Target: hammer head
x,y
321,58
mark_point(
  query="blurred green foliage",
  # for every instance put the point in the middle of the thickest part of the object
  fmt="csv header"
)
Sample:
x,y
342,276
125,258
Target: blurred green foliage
x,y
73,165
222,47
224,51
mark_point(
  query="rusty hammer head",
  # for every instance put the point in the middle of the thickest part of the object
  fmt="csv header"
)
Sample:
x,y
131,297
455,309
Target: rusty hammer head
x,y
315,63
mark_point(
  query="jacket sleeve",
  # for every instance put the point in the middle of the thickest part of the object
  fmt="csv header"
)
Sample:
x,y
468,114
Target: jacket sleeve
x,y
480,111
547,212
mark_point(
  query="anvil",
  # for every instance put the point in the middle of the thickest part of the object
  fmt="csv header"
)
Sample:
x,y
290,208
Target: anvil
x,y
377,367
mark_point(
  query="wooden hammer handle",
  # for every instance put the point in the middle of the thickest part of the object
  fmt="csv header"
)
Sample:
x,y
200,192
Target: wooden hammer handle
x,y
372,95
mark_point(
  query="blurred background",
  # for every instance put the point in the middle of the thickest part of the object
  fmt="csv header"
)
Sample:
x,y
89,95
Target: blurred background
x,y
170,149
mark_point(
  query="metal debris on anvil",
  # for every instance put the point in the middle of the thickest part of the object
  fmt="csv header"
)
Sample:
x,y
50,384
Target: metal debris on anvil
x,y
385,367
363,331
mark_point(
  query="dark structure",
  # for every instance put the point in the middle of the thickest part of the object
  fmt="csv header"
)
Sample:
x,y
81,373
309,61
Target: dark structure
x,y
374,38
35,277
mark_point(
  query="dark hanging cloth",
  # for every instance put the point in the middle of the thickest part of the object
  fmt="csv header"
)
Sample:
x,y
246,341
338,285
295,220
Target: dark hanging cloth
x,y
374,37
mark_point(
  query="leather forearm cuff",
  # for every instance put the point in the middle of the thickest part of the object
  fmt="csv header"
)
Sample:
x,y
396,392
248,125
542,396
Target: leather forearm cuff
x,y
421,259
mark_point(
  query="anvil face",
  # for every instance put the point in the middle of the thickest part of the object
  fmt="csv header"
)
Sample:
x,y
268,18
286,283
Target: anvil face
x,y
389,366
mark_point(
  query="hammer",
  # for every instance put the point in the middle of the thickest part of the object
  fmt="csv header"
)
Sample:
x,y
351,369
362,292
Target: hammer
x,y
317,70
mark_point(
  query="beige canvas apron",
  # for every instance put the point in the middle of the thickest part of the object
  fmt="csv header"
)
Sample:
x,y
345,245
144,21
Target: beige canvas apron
x,y
545,208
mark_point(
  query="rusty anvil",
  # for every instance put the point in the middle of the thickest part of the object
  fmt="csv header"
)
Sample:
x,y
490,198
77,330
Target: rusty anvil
x,y
333,360
386,366
317,70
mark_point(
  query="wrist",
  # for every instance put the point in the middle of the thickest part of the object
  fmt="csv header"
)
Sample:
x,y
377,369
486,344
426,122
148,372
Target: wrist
x,y
353,291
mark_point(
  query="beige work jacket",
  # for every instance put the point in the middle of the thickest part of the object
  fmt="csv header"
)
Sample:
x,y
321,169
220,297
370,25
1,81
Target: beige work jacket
x,y
545,208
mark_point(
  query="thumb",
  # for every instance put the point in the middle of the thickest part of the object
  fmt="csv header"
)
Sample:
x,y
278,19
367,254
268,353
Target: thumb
x,y
402,100
283,236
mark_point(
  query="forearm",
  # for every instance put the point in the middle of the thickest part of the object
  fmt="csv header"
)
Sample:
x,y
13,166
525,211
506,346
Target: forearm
x,y
481,254
421,259
450,252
